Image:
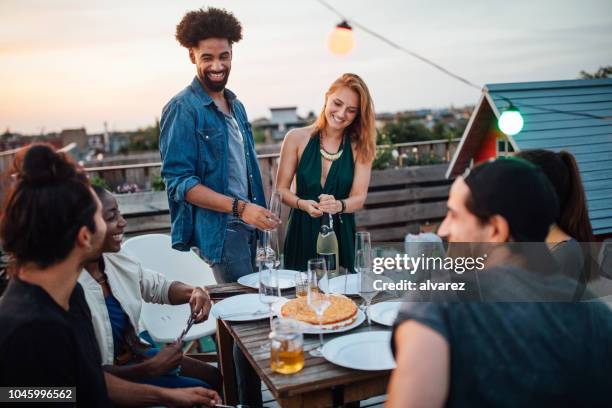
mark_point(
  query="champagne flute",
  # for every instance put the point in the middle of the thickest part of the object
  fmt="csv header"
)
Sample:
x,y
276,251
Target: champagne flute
x,y
318,300
363,266
269,290
275,203
363,242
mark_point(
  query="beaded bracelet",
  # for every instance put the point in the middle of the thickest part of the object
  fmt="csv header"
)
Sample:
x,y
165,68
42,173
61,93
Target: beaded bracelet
x,y
235,207
241,206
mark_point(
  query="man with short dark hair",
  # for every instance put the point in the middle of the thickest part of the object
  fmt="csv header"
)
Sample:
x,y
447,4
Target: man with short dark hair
x,y
498,353
210,166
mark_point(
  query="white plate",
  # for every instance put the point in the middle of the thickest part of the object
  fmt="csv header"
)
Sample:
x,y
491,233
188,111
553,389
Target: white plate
x,y
345,284
242,308
286,279
384,312
314,329
349,284
369,351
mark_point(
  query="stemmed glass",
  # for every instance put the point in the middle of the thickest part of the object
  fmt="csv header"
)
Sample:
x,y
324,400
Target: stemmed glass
x,y
267,259
318,300
363,266
275,203
275,207
363,242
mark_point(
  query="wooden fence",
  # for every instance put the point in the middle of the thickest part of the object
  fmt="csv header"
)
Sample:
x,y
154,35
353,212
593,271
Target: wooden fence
x,y
400,201
410,199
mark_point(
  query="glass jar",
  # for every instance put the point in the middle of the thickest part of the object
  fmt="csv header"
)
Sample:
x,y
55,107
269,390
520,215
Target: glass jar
x,y
286,346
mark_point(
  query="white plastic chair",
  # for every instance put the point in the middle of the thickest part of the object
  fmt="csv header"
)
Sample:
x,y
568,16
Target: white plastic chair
x,y
165,322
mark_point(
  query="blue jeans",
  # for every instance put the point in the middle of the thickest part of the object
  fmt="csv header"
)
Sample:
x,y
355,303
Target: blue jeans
x,y
238,255
238,259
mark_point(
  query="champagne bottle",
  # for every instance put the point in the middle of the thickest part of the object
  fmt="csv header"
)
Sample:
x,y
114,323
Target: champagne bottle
x,y
327,245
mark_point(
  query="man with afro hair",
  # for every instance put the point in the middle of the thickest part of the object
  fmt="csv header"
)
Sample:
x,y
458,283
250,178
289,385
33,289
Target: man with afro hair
x,y
210,167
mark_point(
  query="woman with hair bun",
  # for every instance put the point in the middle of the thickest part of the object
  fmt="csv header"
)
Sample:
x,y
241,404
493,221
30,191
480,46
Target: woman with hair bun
x,y
569,236
51,224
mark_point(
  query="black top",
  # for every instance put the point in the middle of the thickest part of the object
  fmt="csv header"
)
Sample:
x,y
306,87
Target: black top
x,y
518,354
41,344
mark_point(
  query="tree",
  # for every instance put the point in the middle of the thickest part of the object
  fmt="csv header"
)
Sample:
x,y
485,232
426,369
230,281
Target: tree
x,y
406,130
602,72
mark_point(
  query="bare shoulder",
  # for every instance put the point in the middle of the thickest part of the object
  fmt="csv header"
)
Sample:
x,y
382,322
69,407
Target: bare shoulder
x,y
297,139
299,135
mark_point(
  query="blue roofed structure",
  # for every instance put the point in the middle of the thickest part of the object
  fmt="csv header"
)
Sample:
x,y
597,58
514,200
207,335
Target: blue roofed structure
x,y
573,115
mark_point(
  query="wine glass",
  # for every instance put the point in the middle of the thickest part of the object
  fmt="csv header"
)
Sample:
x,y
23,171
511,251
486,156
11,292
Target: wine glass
x,y
318,300
275,203
363,242
365,277
267,259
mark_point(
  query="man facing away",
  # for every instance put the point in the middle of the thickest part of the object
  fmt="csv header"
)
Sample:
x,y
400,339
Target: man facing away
x,y
503,353
210,167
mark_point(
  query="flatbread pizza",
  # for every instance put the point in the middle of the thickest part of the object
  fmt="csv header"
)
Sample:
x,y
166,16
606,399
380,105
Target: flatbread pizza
x,y
342,309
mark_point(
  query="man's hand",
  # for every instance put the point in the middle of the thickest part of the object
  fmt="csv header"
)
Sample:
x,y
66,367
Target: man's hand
x,y
311,207
259,217
200,304
190,397
166,360
329,204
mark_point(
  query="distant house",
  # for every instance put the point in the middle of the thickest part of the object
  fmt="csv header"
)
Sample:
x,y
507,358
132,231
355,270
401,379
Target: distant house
x,y
78,136
586,133
282,120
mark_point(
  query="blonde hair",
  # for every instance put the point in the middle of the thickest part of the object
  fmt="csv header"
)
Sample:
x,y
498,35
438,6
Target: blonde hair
x,y
362,130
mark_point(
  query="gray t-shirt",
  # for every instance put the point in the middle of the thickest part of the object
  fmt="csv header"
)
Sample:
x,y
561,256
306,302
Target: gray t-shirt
x,y
570,258
238,186
516,354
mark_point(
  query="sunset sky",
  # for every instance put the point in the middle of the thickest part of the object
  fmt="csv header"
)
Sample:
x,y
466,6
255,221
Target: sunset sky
x,y
66,64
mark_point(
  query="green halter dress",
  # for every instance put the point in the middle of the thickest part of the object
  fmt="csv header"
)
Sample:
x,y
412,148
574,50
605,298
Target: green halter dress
x,y
302,229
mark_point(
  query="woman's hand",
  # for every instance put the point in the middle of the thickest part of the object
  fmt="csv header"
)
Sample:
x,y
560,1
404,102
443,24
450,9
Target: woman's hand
x,y
329,204
311,207
200,304
167,359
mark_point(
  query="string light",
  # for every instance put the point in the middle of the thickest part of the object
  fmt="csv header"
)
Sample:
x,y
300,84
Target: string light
x,y
354,23
341,40
512,117
511,121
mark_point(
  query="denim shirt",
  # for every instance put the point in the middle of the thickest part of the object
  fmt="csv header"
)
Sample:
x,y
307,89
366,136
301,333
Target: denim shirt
x,y
194,146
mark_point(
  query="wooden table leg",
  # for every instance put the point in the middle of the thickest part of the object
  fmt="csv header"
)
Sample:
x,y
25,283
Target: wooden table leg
x,y
225,345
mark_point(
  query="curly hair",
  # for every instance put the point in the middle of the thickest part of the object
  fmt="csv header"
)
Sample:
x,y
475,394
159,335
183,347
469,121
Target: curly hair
x,y
201,24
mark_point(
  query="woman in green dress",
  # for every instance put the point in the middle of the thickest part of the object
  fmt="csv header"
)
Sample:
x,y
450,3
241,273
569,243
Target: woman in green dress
x,y
331,161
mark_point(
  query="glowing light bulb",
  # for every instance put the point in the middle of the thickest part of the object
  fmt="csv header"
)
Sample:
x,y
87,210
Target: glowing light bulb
x,y
341,40
511,121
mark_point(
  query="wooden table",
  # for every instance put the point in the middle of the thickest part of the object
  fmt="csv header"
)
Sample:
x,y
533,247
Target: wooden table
x,y
319,384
